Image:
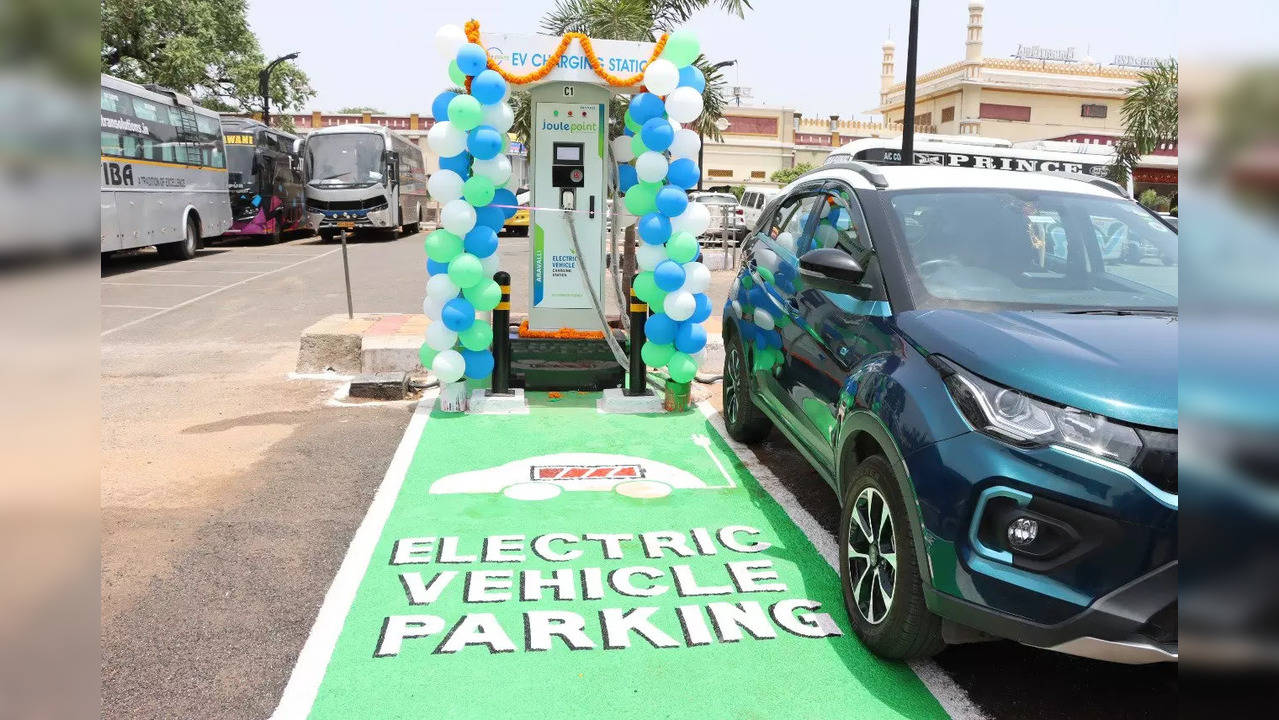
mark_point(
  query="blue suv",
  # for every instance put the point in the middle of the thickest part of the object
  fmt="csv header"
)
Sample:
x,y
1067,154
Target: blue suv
x,y
990,392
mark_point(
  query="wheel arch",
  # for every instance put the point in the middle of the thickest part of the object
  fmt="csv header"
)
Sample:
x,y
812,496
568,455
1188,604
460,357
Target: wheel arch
x,y
191,212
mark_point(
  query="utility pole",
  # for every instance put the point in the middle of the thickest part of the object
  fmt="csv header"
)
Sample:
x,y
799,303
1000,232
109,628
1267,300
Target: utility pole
x,y
908,113
264,85
701,171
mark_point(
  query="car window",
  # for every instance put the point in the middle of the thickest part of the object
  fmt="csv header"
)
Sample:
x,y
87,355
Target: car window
x,y
841,224
789,222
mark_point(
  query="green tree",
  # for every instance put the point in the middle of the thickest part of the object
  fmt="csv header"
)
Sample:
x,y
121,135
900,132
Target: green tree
x,y
359,109
788,175
200,47
1150,118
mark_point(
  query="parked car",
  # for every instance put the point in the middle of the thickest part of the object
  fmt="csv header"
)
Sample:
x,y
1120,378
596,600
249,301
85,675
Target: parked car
x,y
517,224
753,202
998,418
724,209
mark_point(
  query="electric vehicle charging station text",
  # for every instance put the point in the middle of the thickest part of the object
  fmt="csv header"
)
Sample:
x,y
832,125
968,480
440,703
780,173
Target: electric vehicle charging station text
x,y
569,192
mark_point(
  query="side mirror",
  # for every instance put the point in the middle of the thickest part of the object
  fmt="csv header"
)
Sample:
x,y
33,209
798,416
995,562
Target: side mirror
x,y
833,270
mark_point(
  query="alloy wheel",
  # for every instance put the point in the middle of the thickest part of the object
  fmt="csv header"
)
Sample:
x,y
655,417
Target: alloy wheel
x,y
872,556
733,384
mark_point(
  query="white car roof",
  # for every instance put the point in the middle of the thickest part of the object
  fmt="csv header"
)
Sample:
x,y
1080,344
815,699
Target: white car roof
x,y
919,177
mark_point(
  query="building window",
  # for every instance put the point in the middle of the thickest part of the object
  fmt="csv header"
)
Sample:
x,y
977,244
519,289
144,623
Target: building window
x,y
948,114
757,174
925,119
1090,110
720,173
995,111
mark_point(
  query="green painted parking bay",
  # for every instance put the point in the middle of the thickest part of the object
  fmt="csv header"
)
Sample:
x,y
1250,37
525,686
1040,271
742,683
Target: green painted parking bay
x,y
567,563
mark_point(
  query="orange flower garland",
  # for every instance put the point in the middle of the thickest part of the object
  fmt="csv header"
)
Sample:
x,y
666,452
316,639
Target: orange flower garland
x,y
473,35
561,334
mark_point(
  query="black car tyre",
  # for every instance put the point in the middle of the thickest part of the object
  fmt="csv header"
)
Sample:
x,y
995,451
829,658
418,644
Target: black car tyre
x,y
185,248
878,572
746,423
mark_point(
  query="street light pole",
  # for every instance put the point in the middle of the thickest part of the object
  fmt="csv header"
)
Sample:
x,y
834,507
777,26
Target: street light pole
x,y
264,85
701,171
908,112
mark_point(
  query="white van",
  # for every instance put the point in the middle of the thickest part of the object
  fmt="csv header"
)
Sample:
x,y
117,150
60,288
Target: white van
x,y
753,202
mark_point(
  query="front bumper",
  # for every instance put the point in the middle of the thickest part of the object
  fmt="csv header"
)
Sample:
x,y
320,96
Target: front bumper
x,y
357,219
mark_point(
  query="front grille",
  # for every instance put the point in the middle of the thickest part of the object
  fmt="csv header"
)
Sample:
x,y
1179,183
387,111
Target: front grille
x,y
372,203
1162,626
1157,462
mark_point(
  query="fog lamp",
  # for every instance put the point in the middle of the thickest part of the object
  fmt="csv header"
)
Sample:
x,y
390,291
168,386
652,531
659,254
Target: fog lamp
x,y
1022,532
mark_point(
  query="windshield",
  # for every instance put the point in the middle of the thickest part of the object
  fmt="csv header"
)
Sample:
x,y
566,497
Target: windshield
x,y
239,164
1030,249
345,159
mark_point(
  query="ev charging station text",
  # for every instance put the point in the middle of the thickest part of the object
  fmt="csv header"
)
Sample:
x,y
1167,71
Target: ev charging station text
x,y
620,610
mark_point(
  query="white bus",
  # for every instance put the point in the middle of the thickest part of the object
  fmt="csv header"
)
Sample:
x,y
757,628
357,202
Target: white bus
x,y
164,179
979,152
363,177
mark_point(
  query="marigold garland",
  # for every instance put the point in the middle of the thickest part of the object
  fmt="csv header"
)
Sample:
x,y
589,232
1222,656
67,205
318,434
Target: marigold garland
x,y
473,34
561,334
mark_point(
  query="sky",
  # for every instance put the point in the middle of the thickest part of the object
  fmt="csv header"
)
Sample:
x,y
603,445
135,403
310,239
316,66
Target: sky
x,y
820,57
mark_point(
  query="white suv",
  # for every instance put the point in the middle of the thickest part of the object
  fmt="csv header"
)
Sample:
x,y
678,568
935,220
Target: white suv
x,y
724,210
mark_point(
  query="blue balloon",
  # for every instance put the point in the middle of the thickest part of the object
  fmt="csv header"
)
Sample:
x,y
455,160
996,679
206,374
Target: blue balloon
x,y
479,363
459,163
488,87
748,331
660,328
690,76
505,197
682,173
702,309
646,106
671,201
481,241
690,337
657,134
484,142
458,314
761,340
626,177
774,338
669,275
490,216
471,59
440,106
655,228
434,267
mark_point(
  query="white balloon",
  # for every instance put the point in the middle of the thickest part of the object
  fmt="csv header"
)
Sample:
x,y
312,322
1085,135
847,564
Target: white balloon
x,y
439,337
684,104
695,219
787,241
448,366
767,258
432,307
491,264
680,305
442,286
737,308
448,40
763,319
622,149
458,217
661,76
697,277
445,186
826,236
497,169
649,256
685,144
499,116
651,166
446,139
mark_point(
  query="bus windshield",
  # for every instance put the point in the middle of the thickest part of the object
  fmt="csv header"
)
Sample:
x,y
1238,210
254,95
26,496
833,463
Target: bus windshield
x,y
239,162
1028,249
345,159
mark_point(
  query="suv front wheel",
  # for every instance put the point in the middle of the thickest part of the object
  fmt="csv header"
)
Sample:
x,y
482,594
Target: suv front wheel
x,y
745,422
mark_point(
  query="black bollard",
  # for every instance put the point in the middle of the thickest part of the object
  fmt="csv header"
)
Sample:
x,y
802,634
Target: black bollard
x,y
639,313
502,337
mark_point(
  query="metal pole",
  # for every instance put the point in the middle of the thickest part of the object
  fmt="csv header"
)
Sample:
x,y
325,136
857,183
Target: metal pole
x,y
346,271
501,382
908,113
637,384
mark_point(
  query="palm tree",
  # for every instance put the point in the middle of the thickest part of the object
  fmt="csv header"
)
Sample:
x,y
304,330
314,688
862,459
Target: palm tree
x,y
1150,118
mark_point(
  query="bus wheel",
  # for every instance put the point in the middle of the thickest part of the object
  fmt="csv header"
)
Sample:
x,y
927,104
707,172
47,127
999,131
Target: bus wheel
x,y
274,238
185,248
416,225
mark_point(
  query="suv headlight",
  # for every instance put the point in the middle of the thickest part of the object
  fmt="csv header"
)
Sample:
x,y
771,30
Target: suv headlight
x,y
1017,418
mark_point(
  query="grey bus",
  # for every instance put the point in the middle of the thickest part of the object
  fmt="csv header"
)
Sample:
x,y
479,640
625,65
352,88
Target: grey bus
x,y
363,177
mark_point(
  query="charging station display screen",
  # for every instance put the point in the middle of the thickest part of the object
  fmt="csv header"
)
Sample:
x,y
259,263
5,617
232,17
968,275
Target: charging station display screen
x,y
568,153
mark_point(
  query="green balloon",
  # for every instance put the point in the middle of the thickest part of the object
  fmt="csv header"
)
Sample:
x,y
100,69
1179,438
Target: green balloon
x,y
506,143
748,282
659,300
646,288
443,246
484,295
763,360
637,145
465,112
466,270
656,355
681,48
630,123
766,275
641,199
682,367
781,320
426,354
478,190
682,247
477,337
456,75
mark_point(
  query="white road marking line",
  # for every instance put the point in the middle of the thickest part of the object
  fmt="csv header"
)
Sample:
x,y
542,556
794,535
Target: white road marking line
x,y
220,261
304,683
159,284
953,698
233,272
211,292
136,307
705,443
